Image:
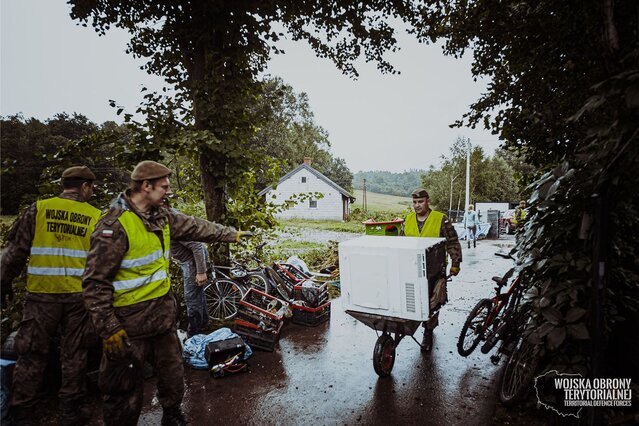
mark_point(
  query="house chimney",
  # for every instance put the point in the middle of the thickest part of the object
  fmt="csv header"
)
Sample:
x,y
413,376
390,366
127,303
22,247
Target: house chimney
x,y
307,161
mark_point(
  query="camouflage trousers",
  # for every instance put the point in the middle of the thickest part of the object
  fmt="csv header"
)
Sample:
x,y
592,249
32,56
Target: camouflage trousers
x,y
164,352
40,322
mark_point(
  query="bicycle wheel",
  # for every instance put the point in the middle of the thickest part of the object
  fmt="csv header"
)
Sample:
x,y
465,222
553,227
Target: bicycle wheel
x,y
384,355
473,330
258,281
223,298
518,374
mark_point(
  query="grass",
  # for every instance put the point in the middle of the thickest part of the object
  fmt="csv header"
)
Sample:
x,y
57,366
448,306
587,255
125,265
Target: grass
x,y
324,225
299,245
381,202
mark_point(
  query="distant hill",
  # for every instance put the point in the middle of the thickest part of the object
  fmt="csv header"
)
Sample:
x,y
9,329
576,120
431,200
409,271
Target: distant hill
x,y
400,184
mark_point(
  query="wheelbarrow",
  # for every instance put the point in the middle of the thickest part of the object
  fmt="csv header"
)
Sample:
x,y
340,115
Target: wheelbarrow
x,y
393,330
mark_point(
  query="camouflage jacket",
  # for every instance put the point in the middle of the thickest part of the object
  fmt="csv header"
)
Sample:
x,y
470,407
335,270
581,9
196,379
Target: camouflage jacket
x,y
16,253
109,243
453,247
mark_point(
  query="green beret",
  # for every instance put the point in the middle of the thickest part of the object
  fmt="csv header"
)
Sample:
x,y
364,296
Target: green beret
x,y
78,172
419,193
147,170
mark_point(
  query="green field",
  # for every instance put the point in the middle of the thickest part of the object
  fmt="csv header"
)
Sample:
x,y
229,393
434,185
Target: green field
x,y
381,202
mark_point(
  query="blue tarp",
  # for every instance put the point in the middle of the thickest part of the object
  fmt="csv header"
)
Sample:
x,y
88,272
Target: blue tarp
x,y
194,348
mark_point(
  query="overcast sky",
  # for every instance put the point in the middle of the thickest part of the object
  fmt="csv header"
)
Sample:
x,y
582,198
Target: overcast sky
x,y
378,122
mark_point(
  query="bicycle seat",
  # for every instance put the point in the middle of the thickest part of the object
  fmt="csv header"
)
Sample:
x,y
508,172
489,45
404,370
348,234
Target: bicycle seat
x,y
499,280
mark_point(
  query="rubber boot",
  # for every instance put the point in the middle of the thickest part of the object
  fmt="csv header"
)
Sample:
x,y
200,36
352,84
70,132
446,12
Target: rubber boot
x,y
429,326
474,243
468,243
173,416
74,413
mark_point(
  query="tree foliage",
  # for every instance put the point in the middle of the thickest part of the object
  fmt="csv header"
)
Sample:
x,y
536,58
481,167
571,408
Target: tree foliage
x,y
29,147
564,89
210,54
289,133
491,179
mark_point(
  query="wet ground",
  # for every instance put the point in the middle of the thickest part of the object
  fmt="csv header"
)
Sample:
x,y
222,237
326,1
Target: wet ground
x,y
325,376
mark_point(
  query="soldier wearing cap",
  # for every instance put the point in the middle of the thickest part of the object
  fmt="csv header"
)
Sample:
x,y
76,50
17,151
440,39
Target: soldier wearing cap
x,y
55,235
424,222
128,293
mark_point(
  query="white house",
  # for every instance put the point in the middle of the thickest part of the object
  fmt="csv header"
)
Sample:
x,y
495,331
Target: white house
x,y
335,205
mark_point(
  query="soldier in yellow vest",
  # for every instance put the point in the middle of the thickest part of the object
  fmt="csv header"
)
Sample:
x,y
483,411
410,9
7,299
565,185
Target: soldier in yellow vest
x,y
128,294
519,215
424,222
54,234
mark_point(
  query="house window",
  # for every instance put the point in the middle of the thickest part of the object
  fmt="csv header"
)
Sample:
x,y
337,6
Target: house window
x,y
303,179
312,204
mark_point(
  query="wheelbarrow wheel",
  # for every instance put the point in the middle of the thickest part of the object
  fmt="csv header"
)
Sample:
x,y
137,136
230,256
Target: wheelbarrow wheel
x,y
384,355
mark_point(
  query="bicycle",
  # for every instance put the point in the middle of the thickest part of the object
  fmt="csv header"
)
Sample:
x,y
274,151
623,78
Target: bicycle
x,y
228,284
500,319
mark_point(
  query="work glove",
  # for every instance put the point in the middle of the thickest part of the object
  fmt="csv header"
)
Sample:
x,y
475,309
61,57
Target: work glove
x,y
116,346
243,234
454,270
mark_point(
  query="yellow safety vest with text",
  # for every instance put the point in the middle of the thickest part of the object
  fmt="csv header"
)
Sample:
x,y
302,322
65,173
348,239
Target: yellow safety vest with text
x,y
431,228
60,245
144,270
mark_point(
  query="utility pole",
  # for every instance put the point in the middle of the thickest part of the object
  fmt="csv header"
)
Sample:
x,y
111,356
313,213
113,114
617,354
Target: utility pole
x,y
467,199
364,203
453,176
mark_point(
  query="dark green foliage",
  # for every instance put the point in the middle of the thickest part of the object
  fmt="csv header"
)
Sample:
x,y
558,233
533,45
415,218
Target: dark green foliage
x,y
491,179
211,53
28,148
564,88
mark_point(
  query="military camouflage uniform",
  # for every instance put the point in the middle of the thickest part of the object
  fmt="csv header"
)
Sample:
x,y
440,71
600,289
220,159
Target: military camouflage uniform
x,y
42,315
150,325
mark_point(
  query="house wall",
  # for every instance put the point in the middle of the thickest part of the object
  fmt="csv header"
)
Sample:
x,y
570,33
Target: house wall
x,y
330,207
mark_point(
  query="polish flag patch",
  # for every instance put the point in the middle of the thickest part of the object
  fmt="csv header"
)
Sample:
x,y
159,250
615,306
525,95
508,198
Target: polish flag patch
x,y
107,233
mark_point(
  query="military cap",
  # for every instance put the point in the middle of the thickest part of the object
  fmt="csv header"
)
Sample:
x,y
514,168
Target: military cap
x,y
147,170
77,173
419,193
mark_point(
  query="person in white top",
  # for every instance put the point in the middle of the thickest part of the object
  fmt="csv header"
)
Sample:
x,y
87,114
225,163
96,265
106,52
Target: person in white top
x,y
471,222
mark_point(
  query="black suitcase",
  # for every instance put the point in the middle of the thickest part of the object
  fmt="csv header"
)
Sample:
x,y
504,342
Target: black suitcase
x,y
220,351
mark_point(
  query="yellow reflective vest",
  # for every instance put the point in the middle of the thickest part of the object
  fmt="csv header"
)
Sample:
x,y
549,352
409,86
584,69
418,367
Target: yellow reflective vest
x,y
518,212
144,270
60,245
431,228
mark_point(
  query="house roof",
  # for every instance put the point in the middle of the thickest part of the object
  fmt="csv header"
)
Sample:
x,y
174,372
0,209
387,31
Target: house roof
x,y
314,172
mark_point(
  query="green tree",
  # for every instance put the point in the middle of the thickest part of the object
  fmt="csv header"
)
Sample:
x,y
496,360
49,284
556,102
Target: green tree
x,y
491,178
289,133
563,88
211,53
29,148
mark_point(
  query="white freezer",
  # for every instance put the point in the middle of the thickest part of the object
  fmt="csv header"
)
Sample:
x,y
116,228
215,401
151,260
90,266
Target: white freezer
x,y
389,276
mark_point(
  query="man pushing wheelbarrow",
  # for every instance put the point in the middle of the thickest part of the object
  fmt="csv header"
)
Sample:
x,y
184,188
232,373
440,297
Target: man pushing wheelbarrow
x,y
424,222
394,285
